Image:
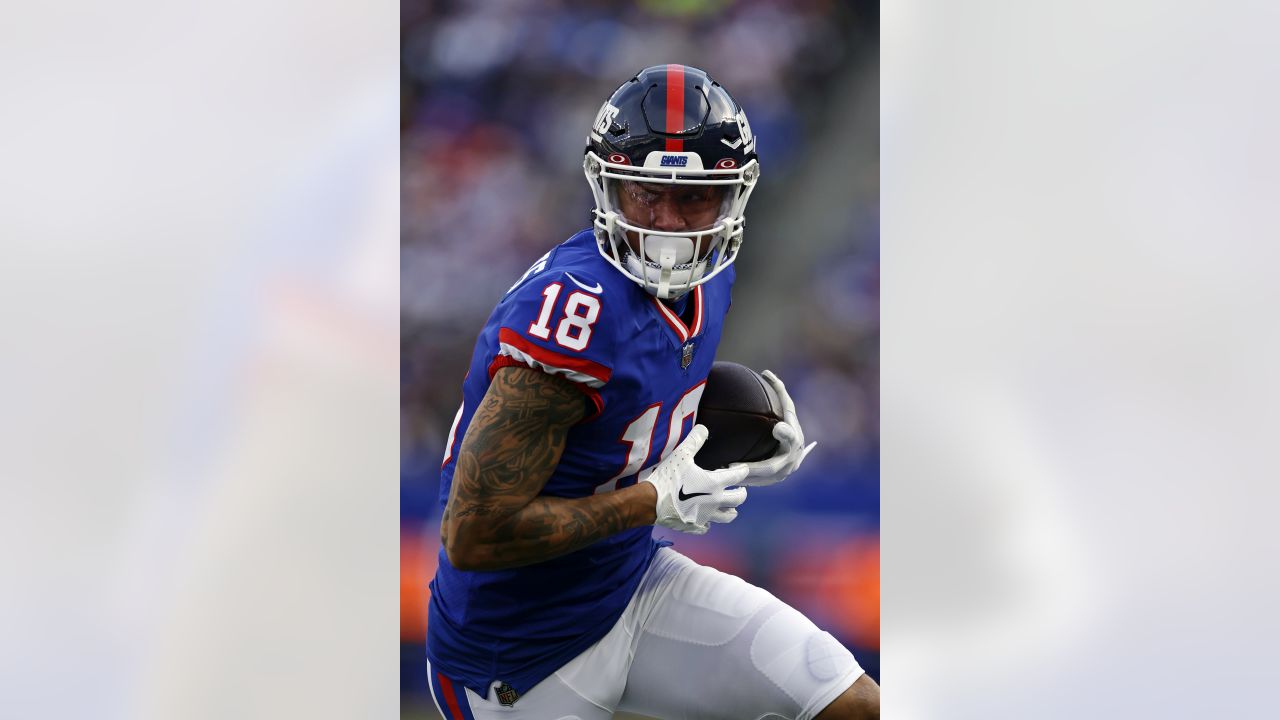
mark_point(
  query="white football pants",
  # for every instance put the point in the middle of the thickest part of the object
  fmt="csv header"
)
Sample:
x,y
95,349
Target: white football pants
x,y
693,644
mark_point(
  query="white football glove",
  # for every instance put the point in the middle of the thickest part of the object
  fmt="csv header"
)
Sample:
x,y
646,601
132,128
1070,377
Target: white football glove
x,y
690,498
791,448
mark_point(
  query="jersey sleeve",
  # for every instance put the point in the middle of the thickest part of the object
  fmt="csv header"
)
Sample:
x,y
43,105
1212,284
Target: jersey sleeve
x,y
559,322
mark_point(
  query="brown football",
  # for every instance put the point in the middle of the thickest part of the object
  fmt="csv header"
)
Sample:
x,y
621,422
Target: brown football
x,y
739,408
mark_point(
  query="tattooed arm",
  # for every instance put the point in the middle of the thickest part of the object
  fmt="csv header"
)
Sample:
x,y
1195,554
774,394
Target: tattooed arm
x,y
494,518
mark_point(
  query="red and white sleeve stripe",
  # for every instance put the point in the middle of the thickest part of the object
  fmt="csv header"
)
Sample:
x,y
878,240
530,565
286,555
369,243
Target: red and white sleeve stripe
x,y
578,369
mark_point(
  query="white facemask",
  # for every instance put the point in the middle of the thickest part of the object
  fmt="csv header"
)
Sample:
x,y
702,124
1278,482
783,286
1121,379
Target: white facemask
x,y
669,269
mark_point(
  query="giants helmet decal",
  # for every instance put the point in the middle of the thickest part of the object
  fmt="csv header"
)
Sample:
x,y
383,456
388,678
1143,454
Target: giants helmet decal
x,y
668,129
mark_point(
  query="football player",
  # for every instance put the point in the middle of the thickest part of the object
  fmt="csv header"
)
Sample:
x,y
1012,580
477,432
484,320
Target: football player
x,y
576,435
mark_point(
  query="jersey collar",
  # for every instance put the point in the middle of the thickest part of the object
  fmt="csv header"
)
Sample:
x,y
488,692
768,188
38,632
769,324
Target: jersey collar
x,y
682,331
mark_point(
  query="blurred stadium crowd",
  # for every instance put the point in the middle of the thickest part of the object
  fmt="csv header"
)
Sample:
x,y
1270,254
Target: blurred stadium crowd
x,y
497,97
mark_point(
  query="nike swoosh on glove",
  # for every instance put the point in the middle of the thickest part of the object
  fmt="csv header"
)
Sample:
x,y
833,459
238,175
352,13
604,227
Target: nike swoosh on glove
x,y
791,448
690,498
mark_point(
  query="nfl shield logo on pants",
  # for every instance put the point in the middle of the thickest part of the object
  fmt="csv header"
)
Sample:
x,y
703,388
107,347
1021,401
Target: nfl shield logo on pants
x,y
686,355
507,695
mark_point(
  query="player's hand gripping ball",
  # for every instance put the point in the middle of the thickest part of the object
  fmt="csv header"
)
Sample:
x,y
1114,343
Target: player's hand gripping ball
x,y
752,421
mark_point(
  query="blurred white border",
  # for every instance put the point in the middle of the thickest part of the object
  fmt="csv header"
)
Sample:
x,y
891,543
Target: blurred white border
x,y
200,377
1079,248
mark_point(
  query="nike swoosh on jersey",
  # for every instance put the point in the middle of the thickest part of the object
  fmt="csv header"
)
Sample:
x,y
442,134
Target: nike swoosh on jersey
x,y
597,289
684,497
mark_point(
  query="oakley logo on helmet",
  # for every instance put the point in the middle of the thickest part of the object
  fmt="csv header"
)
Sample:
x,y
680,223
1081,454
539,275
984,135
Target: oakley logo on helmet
x,y
604,119
675,161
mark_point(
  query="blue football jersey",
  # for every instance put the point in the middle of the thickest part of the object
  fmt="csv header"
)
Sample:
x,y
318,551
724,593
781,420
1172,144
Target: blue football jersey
x,y
642,369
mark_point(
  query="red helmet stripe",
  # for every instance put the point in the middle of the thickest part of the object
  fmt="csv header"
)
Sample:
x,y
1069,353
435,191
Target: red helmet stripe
x,y
675,106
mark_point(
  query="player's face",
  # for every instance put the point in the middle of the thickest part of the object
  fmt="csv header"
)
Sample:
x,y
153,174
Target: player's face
x,y
671,208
